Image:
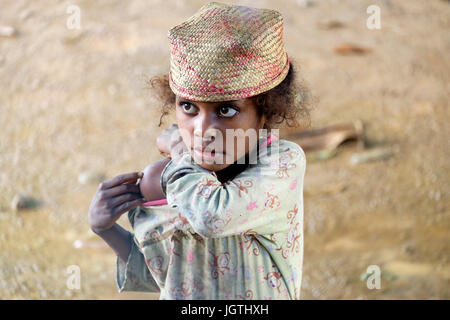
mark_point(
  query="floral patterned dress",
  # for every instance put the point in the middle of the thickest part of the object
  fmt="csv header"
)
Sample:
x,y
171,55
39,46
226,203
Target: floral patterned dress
x,y
241,239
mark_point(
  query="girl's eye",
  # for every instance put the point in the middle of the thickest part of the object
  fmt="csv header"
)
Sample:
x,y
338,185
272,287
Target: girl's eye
x,y
188,108
224,111
227,112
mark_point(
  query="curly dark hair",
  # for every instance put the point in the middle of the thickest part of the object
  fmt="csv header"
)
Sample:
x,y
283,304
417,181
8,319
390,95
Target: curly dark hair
x,y
287,102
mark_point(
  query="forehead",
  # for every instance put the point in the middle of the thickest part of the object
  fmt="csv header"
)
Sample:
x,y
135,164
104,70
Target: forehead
x,y
244,101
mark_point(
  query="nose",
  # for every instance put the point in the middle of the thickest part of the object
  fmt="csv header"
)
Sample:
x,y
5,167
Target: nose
x,y
205,130
204,127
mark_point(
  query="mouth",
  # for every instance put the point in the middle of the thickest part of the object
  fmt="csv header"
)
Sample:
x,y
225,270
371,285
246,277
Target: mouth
x,y
206,154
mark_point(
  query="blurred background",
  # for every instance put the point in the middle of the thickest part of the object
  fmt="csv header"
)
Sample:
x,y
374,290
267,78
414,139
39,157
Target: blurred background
x,y
75,110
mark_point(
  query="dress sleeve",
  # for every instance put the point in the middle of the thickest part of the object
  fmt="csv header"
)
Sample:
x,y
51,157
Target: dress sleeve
x,y
260,199
133,275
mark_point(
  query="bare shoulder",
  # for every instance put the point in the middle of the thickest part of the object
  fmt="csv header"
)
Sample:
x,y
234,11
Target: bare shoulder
x,y
150,183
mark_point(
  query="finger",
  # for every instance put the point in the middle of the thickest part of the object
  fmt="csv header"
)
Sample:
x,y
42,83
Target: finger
x,y
118,200
123,178
121,189
126,206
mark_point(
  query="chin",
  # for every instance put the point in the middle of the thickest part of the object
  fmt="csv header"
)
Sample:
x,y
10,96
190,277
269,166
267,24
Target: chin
x,y
213,167
209,165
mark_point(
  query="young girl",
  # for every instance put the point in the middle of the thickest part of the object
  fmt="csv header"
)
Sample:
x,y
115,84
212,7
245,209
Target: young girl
x,y
222,216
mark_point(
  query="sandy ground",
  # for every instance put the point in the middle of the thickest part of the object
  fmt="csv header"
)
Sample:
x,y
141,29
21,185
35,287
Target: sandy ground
x,y
74,102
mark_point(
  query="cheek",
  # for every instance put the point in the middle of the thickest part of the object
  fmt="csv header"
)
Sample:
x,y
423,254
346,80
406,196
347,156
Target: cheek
x,y
183,127
179,116
186,136
244,143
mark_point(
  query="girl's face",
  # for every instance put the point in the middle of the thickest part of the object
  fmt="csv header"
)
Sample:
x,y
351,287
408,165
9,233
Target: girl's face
x,y
225,131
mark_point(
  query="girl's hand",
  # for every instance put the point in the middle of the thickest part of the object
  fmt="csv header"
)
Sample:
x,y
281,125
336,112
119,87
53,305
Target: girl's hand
x,y
113,198
170,143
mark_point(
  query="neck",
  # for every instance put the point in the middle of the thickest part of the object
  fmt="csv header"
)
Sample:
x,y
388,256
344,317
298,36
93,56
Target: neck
x,y
231,171
234,169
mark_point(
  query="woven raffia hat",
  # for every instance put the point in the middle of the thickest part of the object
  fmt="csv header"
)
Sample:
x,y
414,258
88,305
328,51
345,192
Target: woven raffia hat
x,y
227,52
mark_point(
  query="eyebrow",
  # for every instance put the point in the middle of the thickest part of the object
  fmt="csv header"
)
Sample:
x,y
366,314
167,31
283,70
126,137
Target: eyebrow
x,y
215,102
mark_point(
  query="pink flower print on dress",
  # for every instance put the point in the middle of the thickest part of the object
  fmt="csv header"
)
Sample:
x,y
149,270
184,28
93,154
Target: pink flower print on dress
x,y
252,205
190,256
293,184
261,269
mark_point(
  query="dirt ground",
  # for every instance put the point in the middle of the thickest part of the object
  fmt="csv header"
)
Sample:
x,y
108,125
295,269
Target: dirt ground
x,y
73,104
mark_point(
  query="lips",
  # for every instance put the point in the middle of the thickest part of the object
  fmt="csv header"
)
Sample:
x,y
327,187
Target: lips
x,y
204,150
206,153
201,149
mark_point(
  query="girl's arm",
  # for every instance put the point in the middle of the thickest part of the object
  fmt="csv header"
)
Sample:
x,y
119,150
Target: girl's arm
x,y
113,198
150,185
118,239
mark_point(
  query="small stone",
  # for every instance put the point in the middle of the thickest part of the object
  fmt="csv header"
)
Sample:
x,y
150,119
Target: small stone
x,y
322,155
25,14
409,248
78,244
7,31
387,275
72,38
24,202
35,84
91,177
35,267
351,49
329,25
434,195
371,155
364,276
304,3
43,294
112,89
